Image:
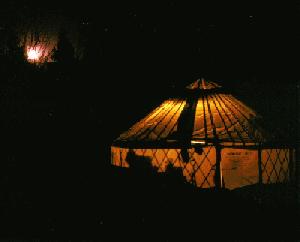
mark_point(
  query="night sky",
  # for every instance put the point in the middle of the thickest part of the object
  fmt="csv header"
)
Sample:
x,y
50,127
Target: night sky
x,y
176,41
59,121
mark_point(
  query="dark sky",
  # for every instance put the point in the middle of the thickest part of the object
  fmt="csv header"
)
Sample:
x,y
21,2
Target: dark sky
x,y
219,40
234,40
149,47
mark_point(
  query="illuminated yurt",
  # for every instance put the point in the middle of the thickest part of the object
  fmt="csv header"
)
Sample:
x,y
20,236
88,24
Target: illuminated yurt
x,y
214,139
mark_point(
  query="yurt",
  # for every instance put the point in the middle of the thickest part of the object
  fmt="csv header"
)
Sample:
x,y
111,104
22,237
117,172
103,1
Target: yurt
x,y
213,138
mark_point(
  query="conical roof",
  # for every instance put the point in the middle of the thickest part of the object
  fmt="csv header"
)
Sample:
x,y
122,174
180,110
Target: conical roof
x,y
210,117
201,84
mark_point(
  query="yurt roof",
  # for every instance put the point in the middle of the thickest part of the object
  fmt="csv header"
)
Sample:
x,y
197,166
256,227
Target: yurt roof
x,y
201,84
206,116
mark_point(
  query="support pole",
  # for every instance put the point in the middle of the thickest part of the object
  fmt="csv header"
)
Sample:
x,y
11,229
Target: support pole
x,y
259,166
291,165
218,167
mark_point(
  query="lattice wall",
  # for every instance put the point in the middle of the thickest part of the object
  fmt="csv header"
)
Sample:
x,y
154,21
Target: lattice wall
x,y
200,169
275,165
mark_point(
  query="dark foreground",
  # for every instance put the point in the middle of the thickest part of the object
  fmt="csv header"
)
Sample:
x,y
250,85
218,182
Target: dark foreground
x,y
59,183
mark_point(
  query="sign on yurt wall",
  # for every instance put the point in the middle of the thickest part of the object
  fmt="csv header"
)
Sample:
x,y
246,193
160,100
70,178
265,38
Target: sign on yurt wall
x,y
239,167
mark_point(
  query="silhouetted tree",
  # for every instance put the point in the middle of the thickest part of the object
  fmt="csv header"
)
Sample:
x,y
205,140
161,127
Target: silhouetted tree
x,y
175,177
64,54
10,46
90,44
138,162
